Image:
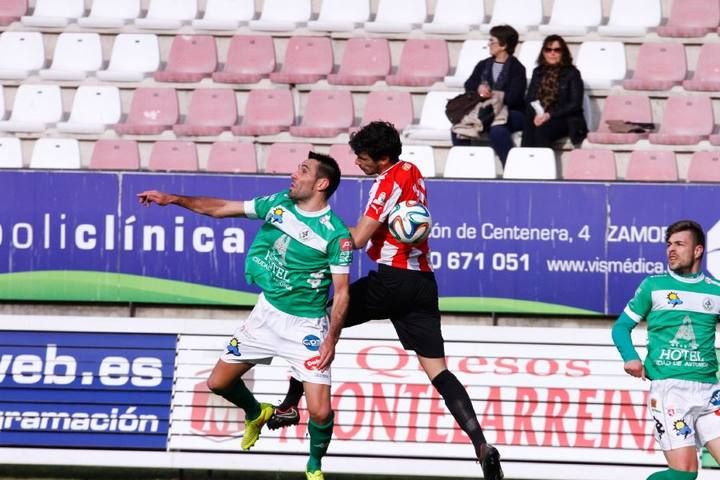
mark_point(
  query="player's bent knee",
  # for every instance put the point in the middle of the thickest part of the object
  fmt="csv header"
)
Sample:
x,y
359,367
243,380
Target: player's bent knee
x,y
321,414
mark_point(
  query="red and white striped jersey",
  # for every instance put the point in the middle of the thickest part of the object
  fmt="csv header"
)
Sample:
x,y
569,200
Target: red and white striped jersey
x,y
400,182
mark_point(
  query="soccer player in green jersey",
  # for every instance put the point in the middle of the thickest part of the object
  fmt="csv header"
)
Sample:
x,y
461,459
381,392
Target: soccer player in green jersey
x,y
681,308
299,251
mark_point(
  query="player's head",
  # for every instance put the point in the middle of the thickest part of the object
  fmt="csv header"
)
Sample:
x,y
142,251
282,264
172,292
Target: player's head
x,y
685,242
319,173
376,143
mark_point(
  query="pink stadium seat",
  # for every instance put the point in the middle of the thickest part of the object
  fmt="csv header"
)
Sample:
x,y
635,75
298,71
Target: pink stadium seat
x,y
285,157
704,167
327,114
632,108
422,63
345,157
707,72
192,58
686,121
307,60
152,111
267,112
691,18
660,66
115,155
586,164
652,166
250,58
11,11
391,106
211,111
715,139
173,156
232,157
364,62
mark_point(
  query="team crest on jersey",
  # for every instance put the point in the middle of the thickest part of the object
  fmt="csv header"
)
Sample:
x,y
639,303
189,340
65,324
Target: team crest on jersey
x,y
304,235
708,304
681,428
674,299
325,222
407,166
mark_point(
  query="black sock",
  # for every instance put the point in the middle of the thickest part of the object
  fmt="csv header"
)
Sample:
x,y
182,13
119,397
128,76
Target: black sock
x,y
292,397
458,402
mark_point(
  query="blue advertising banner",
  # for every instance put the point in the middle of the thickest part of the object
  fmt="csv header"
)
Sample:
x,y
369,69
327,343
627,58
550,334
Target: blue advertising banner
x,y
109,390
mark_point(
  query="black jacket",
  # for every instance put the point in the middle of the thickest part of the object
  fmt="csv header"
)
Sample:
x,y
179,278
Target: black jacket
x,y
512,81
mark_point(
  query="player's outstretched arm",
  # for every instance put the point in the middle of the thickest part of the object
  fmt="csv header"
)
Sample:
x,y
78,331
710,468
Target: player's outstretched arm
x,y
362,232
341,299
213,207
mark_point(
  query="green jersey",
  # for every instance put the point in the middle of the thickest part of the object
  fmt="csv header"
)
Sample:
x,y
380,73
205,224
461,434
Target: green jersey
x,y
295,253
681,314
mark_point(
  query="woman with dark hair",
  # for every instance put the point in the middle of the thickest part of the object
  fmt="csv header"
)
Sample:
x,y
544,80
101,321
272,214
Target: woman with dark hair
x,y
554,98
500,72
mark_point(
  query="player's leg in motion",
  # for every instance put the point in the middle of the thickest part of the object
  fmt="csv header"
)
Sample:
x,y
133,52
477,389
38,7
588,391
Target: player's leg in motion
x,y
225,380
320,427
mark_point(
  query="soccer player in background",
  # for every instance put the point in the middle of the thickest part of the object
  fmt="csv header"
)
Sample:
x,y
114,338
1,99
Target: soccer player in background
x,y
301,248
403,288
681,308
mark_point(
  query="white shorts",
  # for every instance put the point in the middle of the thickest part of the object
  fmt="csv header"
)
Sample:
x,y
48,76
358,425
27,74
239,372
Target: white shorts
x,y
684,413
269,333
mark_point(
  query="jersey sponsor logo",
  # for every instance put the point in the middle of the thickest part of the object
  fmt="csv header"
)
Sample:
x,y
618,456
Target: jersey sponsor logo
x,y
681,428
312,363
346,245
233,347
674,299
312,343
276,215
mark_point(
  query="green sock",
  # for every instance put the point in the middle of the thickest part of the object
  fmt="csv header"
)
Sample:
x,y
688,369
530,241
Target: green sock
x,y
671,474
242,397
319,442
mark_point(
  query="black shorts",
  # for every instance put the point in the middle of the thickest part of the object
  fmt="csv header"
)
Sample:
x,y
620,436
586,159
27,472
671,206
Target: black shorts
x,y
409,298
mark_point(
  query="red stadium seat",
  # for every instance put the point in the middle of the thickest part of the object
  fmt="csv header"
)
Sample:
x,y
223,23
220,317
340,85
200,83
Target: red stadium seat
x,y
364,62
390,106
115,155
660,66
307,60
586,164
422,63
232,157
707,71
250,58
173,156
211,111
11,11
704,167
691,18
267,112
327,114
686,121
285,157
192,58
152,111
652,166
632,108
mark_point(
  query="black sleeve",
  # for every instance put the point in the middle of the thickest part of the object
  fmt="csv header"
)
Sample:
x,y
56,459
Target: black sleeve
x,y
475,78
570,101
533,88
515,90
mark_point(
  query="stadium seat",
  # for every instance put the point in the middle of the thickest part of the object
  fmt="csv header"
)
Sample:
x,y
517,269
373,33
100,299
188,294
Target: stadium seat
x,y
530,164
470,162
422,63
10,153
391,106
173,155
35,108
61,153
340,15
307,60
523,15
225,15
133,57
602,64
421,156
267,112
433,124
115,155
397,17
327,113
283,15
152,111
715,139
168,14
691,18
588,164
630,108
633,18
21,54
11,11
111,14
686,121
54,13
704,167
233,157
192,58
660,66
652,166
528,55
211,111
471,52
285,157
453,17
345,157
250,58
77,55
364,62
573,17
94,109
707,72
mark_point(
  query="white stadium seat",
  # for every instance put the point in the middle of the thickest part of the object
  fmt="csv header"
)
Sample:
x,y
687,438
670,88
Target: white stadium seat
x,y
111,14
76,56
530,164
602,64
471,52
168,14
341,15
422,157
54,13
94,110
398,17
573,17
470,162
433,124
35,108
283,15
225,15
134,56
632,18
523,15
456,16
10,152
61,153
21,54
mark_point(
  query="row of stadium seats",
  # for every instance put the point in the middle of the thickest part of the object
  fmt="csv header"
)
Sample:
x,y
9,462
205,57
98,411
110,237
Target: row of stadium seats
x,y
687,18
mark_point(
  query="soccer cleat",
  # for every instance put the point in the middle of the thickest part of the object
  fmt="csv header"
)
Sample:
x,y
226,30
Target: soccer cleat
x,y
283,418
253,427
316,475
490,463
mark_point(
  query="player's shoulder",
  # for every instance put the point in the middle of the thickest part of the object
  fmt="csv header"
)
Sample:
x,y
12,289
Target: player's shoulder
x,y
712,282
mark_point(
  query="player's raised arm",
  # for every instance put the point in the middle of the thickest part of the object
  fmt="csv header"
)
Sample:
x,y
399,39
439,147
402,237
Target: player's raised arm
x,y
213,207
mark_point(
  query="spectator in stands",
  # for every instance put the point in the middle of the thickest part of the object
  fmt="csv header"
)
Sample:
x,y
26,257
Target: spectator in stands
x,y
500,72
554,98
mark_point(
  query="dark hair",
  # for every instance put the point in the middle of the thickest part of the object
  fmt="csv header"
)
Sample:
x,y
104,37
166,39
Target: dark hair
x,y
507,37
689,226
566,57
327,168
377,140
